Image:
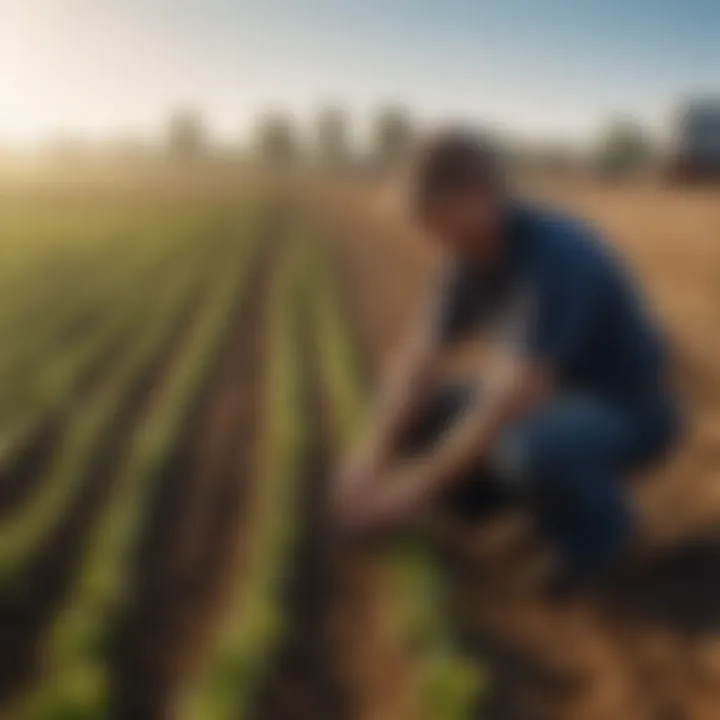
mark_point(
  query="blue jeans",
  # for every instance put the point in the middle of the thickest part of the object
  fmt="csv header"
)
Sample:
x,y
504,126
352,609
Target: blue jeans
x,y
567,460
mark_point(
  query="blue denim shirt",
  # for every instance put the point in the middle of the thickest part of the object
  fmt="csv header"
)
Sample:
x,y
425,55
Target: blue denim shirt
x,y
583,314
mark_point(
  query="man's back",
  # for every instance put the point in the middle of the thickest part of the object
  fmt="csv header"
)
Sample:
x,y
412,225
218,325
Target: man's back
x,y
584,316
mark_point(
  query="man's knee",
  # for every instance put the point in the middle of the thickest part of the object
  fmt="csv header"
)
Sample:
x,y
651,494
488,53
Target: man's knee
x,y
565,439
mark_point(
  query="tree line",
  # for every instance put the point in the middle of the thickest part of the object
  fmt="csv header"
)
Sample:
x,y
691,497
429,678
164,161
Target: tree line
x,y
278,139
624,146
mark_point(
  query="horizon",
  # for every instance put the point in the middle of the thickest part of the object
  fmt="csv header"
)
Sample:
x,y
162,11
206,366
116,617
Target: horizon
x,y
543,69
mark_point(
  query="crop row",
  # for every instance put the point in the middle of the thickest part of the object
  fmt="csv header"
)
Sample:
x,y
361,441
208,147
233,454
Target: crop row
x,y
186,317
56,381
23,530
249,638
204,289
448,682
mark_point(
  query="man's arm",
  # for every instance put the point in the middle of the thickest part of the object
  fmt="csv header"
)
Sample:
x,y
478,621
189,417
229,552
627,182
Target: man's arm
x,y
405,392
572,277
406,489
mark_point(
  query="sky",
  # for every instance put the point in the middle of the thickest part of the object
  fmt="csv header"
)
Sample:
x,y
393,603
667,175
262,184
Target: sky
x,y
539,68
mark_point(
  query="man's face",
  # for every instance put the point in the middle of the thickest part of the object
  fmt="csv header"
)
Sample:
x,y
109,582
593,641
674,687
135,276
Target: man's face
x,y
467,223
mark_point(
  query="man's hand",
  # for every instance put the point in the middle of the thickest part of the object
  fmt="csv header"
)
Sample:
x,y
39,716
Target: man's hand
x,y
354,481
389,499
392,494
408,385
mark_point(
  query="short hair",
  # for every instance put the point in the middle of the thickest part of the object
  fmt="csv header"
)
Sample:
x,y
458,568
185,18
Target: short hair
x,y
454,160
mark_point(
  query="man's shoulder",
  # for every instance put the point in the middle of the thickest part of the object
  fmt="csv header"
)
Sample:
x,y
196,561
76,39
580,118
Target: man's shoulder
x,y
560,238
557,226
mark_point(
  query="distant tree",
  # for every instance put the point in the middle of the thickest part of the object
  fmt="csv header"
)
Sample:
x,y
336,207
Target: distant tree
x,y
186,136
624,148
393,134
275,139
333,137
552,158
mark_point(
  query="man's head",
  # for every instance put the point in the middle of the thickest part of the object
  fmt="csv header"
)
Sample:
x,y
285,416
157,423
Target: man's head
x,y
458,193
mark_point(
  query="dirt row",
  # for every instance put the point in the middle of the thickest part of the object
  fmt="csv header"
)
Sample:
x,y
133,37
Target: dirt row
x,y
193,530
304,682
331,663
342,659
28,608
193,541
24,468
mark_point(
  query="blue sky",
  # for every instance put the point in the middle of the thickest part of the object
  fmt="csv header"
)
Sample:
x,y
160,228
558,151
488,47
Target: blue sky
x,y
537,67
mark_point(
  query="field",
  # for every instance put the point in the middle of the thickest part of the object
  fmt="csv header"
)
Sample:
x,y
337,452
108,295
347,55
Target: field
x,y
182,363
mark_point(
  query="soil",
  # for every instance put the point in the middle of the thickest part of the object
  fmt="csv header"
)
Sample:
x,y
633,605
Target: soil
x,y
194,527
28,608
340,660
648,647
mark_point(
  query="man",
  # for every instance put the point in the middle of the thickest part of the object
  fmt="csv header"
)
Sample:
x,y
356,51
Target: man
x,y
583,398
